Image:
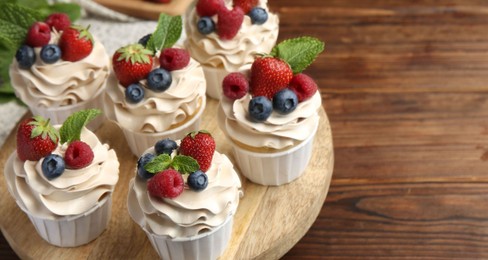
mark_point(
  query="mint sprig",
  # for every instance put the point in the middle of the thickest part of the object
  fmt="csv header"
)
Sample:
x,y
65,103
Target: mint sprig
x,y
167,33
299,52
72,126
182,163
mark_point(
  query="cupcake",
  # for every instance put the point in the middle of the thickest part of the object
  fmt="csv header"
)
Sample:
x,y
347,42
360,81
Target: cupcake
x,y
184,197
62,177
60,69
158,90
224,35
270,113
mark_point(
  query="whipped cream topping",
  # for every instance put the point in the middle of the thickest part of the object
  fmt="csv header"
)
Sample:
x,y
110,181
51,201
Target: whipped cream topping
x,y
62,83
277,132
212,51
191,213
75,192
159,111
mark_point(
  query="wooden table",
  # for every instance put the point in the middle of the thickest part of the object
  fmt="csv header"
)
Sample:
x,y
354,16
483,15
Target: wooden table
x,y
405,86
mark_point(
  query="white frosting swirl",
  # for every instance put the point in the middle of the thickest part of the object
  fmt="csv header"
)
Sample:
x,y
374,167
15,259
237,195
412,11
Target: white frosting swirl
x,y
277,132
191,213
159,111
74,192
62,83
212,51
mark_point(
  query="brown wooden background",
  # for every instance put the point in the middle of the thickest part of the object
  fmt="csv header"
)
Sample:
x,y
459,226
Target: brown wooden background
x,y
405,85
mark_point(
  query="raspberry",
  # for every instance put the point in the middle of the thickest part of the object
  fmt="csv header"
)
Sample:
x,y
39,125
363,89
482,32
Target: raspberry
x,y
246,5
59,21
174,58
38,35
235,85
209,7
78,155
304,86
166,184
229,22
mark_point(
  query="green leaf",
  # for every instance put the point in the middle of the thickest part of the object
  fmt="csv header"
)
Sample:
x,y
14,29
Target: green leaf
x,y
71,128
15,20
158,164
167,32
33,4
185,164
299,52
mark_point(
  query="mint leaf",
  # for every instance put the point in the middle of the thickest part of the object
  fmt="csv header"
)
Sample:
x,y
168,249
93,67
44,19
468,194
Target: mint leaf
x,y
299,52
158,164
34,4
167,32
72,126
15,21
185,164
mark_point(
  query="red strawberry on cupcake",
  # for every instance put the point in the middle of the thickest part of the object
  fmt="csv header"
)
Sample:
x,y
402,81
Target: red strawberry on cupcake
x,y
36,138
269,75
201,146
132,63
75,43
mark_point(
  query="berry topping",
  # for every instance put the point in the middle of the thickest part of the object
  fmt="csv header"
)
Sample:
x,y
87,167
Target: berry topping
x,y
268,76
174,59
206,25
38,35
58,21
50,53
143,41
166,184
25,56
235,85
285,101
159,80
209,7
166,146
52,166
78,155
246,5
201,146
197,181
76,43
260,108
36,138
134,93
258,15
229,22
303,86
143,160
132,63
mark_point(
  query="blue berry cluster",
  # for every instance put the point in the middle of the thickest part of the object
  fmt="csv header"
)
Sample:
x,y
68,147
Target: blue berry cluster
x,y
26,57
284,102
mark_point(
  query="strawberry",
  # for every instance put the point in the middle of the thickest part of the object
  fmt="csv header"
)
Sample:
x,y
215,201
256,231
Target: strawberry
x,y
36,138
76,43
201,146
246,5
229,22
208,7
132,63
268,76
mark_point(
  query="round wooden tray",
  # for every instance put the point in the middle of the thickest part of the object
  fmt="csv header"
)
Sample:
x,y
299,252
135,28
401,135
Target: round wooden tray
x,y
269,220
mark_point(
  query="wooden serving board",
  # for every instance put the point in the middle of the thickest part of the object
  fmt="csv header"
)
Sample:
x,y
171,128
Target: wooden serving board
x,y
269,220
146,9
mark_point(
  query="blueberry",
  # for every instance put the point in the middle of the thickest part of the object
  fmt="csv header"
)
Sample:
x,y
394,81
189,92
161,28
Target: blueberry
x,y
258,15
260,108
134,93
50,53
25,56
53,166
159,80
166,146
144,39
285,101
143,160
206,25
198,180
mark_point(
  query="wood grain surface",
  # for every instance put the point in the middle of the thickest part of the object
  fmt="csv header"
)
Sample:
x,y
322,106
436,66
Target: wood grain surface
x,y
405,86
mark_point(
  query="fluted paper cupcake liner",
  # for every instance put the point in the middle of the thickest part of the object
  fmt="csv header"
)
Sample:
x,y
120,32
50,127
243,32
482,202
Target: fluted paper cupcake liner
x,y
139,142
275,168
59,114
